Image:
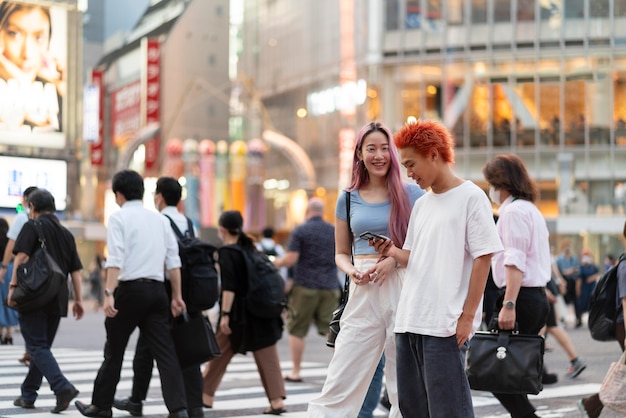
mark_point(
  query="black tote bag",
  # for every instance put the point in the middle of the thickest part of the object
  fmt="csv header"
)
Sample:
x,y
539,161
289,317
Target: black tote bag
x,y
194,340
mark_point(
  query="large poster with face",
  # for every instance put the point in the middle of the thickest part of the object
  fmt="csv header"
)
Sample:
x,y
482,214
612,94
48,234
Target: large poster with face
x,y
33,58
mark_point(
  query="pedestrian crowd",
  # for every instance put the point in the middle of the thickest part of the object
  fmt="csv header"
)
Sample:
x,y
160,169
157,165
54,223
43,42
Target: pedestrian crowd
x,y
426,268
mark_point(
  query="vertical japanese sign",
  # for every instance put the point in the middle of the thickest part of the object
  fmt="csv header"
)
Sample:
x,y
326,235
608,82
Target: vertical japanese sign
x,y
152,96
96,150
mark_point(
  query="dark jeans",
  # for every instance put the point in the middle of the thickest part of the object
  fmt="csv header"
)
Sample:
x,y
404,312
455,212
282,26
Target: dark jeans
x,y
431,377
39,329
142,372
570,297
372,398
142,304
531,311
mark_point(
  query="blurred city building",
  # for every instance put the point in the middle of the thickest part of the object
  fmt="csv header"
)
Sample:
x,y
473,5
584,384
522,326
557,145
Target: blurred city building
x,y
544,79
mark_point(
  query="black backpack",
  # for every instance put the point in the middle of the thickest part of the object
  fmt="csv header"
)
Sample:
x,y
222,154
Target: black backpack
x,y
265,297
199,279
270,252
603,306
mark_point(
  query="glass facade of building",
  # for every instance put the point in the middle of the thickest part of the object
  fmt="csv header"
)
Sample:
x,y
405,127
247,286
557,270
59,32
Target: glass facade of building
x,y
545,79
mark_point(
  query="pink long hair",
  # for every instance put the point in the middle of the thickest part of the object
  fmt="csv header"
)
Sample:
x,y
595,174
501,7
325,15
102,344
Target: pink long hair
x,y
400,205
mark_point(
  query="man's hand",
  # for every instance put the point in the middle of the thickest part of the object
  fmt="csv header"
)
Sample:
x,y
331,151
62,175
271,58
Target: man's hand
x,y
178,306
78,309
109,306
225,325
506,319
463,328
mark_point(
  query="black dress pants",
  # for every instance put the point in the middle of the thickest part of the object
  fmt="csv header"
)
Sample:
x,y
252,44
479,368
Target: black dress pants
x,y
144,304
142,372
531,311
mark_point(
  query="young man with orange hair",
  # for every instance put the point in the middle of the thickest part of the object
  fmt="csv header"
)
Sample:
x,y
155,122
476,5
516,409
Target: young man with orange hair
x,y
450,240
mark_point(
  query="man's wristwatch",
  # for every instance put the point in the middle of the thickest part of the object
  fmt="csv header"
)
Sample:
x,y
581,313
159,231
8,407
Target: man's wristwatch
x,y
107,292
509,304
3,266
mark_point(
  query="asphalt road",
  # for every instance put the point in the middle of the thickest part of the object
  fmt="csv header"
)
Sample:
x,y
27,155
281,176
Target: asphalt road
x,y
557,400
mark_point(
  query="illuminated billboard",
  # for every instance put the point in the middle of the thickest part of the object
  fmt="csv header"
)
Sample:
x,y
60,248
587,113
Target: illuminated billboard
x,y
33,76
17,173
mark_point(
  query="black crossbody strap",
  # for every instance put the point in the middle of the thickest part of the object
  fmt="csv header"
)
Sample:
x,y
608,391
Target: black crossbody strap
x,y
346,285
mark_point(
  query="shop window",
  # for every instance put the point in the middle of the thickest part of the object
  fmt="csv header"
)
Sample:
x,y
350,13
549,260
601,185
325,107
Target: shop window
x,y
619,8
575,120
526,10
548,11
479,11
619,111
599,8
479,109
503,116
455,12
502,10
550,119
391,14
574,9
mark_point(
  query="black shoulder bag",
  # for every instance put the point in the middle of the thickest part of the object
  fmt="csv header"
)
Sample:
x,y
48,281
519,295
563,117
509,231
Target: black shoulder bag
x,y
39,280
333,326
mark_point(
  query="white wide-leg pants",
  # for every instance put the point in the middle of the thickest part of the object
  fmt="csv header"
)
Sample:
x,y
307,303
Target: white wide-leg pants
x,y
366,331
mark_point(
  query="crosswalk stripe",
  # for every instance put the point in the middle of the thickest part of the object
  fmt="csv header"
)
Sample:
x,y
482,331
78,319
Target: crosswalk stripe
x,y
81,366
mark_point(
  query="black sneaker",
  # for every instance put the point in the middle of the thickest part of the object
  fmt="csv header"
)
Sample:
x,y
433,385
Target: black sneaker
x,y
549,378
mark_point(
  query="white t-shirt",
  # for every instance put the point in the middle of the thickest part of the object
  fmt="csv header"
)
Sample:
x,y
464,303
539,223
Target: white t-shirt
x,y
446,232
16,226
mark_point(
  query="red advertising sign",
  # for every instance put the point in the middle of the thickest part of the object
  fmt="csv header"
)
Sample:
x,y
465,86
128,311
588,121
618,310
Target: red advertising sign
x,y
152,106
126,112
96,150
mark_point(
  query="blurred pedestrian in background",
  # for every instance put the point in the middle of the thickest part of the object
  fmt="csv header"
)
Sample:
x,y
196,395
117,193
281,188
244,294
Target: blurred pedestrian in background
x,y
8,316
239,331
96,277
569,267
6,268
589,274
313,290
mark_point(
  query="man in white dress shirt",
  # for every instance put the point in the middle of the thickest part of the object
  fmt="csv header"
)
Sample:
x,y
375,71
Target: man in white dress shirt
x,y
140,242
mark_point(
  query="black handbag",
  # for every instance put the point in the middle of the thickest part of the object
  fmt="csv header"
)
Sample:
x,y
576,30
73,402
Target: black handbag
x,y
505,362
194,340
39,280
333,326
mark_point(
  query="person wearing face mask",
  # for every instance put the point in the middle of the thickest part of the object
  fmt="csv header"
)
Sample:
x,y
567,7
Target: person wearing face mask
x,y
6,269
589,274
523,269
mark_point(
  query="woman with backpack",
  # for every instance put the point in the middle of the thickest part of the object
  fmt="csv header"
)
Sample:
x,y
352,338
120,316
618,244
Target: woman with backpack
x,y
240,331
592,406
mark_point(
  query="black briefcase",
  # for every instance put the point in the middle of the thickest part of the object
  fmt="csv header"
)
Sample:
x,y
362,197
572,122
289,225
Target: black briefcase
x,y
194,340
505,362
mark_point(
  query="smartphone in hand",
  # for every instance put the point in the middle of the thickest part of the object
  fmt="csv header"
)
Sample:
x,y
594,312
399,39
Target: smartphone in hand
x,y
367,235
